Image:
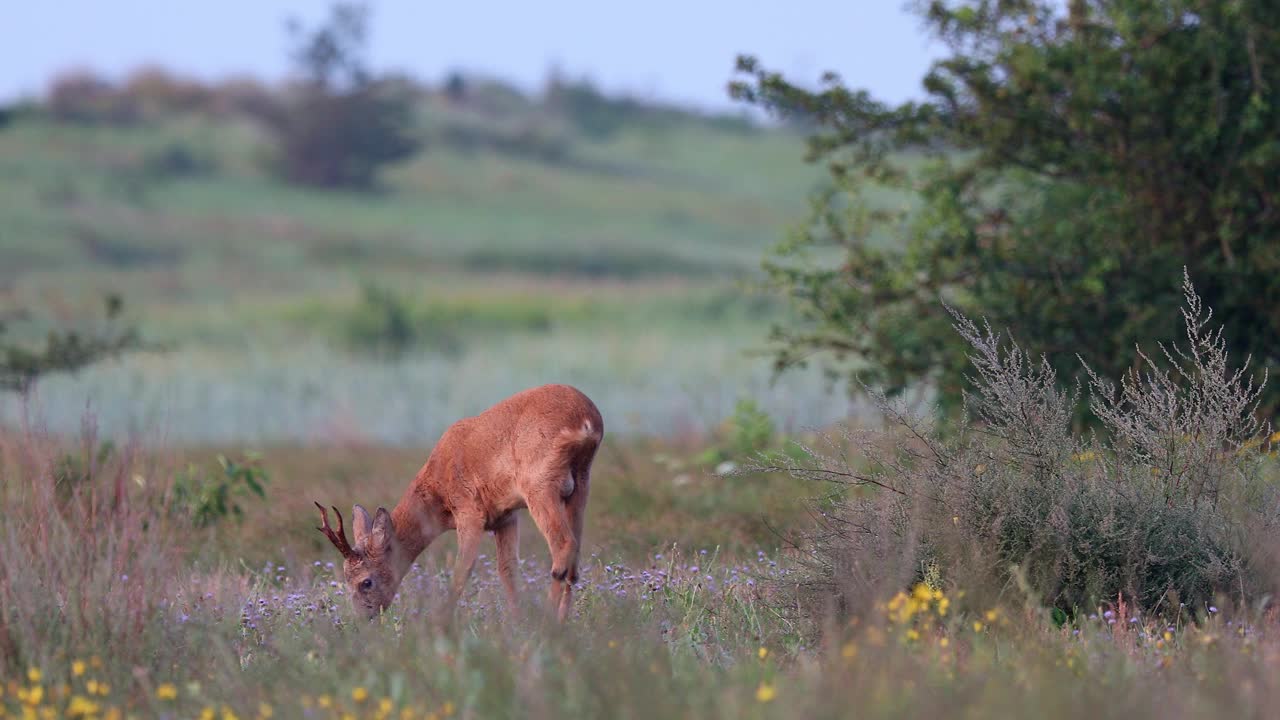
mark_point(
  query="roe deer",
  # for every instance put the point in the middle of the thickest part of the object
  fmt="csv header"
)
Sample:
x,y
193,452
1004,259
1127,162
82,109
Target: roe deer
x,y
532,450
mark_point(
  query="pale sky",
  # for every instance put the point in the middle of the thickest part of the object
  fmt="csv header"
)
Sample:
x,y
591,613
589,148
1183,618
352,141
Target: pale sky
x,y
664,49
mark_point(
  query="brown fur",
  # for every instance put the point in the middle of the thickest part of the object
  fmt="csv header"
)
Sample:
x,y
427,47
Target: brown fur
x,y
533,450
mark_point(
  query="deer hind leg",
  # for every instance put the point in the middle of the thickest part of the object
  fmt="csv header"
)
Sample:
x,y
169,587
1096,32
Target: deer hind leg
x,y
507,537
550,513
576,506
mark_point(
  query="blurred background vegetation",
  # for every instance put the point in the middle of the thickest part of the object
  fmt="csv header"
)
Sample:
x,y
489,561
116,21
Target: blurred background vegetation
x,y
368,255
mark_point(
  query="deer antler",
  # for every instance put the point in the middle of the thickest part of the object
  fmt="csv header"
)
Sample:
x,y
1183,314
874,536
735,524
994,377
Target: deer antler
x,y
339,538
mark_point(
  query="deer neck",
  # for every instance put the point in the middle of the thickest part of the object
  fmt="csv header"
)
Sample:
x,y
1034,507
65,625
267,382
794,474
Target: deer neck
x,y
416,526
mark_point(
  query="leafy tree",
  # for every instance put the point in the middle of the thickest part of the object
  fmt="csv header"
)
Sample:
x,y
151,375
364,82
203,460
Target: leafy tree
x,y
341,124
21,364
1068,160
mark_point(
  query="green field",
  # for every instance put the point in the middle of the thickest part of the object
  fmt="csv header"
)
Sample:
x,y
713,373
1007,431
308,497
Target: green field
x,y
627,266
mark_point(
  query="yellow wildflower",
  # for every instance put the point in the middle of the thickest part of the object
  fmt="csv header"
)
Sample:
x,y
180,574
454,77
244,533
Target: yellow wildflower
x,y
849,651
1168,635
992,615
34,675
944,642
229,714
977,626
34,695
613,643
763,652
324,701
207,713
385,705
447,708
265,710
359,694
112,713
765,693
77,668
80,706
912,634
166,691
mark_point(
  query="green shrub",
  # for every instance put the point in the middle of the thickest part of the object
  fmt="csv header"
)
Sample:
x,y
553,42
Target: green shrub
x,y
381,323
209,499
1168,507
744,435
387,324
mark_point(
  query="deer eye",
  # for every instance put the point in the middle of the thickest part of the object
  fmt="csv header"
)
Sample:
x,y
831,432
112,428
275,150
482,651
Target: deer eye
x,y
365,584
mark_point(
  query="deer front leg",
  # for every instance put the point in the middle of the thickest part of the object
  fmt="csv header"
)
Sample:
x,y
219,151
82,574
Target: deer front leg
x,y
469,537
507,536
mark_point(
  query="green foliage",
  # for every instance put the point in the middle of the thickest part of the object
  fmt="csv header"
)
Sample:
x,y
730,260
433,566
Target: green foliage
x,y
748,432
341,125
382,322
177,160
388,324
595,114
751,430
1068,160
74,471
209,499
21,364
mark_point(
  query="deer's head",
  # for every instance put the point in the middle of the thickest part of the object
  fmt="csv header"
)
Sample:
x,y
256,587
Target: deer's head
x,y
369,566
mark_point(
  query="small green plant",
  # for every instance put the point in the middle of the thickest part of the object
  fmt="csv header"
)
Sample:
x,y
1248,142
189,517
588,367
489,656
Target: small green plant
x,y
69,351
76,470
382,322
211,499
748,432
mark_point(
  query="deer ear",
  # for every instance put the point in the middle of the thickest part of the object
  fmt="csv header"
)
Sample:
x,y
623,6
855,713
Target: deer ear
x,y
383,531
363,526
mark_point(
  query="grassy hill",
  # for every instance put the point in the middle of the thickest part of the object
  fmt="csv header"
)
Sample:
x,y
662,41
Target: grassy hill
x,y
519,250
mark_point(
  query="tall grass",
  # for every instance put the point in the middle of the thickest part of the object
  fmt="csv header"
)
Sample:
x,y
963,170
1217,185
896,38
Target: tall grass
x,y
105,613
87,554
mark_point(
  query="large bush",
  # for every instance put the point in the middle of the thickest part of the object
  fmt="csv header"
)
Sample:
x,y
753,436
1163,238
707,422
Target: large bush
x,y
339,124
1068,158
1175,503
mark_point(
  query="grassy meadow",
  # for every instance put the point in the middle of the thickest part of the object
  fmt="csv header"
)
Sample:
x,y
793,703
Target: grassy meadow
x,y
626,267
315,343
686,608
